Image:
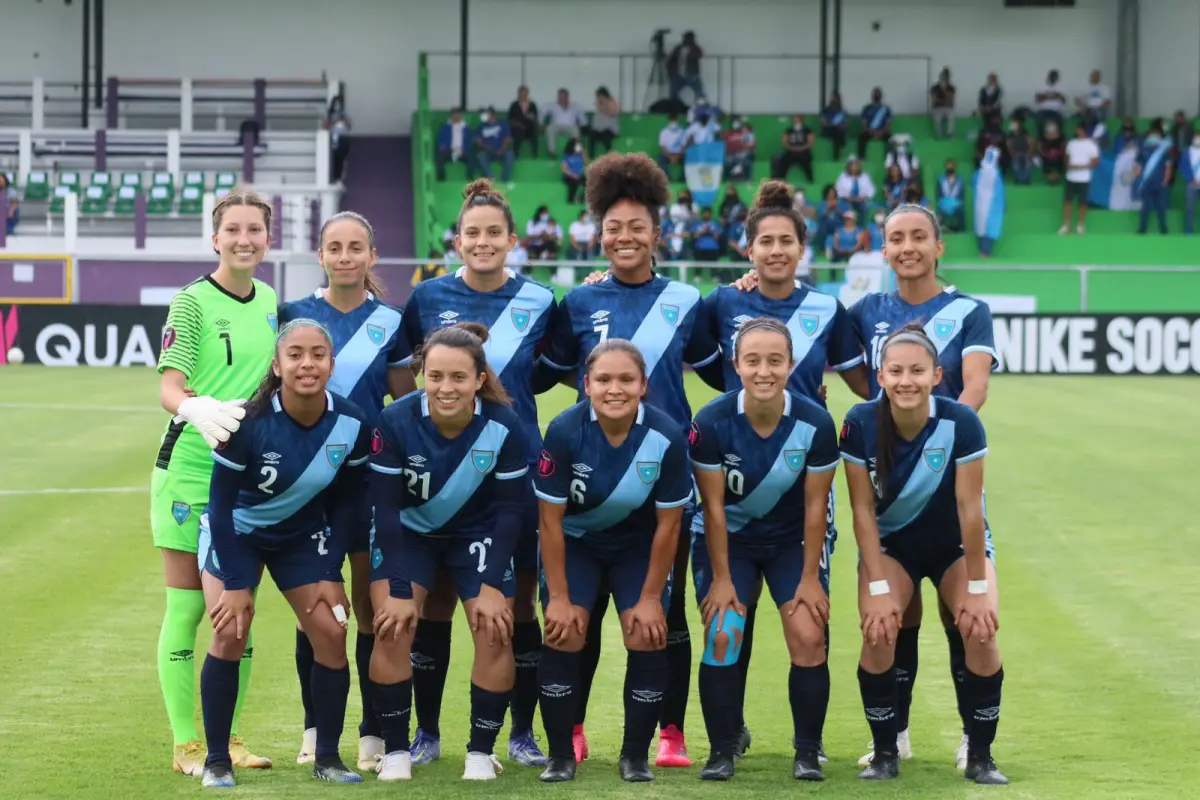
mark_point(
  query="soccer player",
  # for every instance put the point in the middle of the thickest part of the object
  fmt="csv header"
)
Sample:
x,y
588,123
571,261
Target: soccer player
x,y
450,466
764,459
516,312
287,493
369,355
217,345
625,192
612,483
914,467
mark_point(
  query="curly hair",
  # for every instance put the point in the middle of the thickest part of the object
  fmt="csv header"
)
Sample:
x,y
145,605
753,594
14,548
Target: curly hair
x,y
774,198
626,176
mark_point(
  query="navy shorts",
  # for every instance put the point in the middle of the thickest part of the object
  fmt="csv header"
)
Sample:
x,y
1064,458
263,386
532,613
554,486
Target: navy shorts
x,y
779,565
589,569
360,542
464,560
924,559
298,561
525,557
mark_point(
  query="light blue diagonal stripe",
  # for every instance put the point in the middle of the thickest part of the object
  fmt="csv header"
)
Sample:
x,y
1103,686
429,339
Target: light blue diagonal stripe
x,y
504,337
921,484
627,496
956,312
459,487
774,485
358,353
821,306
655,334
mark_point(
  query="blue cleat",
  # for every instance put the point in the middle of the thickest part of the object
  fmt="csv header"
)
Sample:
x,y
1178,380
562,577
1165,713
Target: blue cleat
x,y
425,748
218,776
334,771
523,749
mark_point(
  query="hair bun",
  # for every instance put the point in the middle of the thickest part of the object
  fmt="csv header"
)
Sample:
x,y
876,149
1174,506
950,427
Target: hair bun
x,y
476,328
774,194
478,187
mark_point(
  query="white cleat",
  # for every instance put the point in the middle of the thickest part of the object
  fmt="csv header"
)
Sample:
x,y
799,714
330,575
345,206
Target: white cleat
x,y
370,750
395,766
481,767
903,746
308,747
960,755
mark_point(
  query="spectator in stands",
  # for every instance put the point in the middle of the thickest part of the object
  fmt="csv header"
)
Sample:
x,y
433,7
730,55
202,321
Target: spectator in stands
x,y
740,145
833,124
606,122
1189,165
677,234
517,258
797,150
829,213
914,193
989,202
855,186
494,141
1128,133
1020,151
1052,150
683,67
573,166
523,120
876,122
707,234
894,184
704,128
683,209
434,268
846,240
448,237
735,234
338,123
563,119
941,98
453,143
13,197
900,152
535,232
1050,101
1096,101
991,98
875,232
1083,154
731,204
1153,170
581,238
1182,132
672,141
951,200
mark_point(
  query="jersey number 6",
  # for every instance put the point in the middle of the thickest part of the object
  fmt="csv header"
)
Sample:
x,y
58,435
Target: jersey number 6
x,y
479,549
577,489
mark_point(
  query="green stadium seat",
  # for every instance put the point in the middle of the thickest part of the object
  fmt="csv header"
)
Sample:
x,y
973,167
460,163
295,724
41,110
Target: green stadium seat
x,y
191,199
160,201
225,180
59,201
37,186
221,192
101,178
133,179
126,198
69,180
194,179
95,199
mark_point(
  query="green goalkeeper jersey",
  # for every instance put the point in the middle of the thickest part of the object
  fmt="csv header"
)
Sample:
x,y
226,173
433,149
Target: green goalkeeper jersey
x,y
223,344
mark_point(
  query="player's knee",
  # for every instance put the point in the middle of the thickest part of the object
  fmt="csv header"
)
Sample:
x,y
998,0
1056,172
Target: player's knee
x,y
983,658
225,644
639,642
877,658
723,646
805,641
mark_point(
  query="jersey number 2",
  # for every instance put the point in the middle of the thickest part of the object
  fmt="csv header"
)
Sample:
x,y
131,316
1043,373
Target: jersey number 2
x,y
228,349
269,475
480,549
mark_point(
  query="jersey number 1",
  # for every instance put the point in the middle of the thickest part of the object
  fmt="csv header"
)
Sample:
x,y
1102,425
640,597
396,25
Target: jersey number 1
x,y
228,349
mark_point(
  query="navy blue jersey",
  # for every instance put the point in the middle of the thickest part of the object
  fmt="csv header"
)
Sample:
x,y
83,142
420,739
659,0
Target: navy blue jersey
x,y
517,316
612,493
366,342
764,478
958,325
658,316
920,494
822,333
452,485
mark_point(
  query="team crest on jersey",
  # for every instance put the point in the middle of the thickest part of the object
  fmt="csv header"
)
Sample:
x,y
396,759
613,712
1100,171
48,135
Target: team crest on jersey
x,y
336,453
482,459
376,558
520,318
376,334
936,459
809,323
647,471
181,512
794,459
944,328
273,321
670,313
216,561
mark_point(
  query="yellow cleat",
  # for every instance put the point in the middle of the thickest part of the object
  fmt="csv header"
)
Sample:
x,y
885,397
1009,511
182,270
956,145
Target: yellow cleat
x,y
243,758
189,758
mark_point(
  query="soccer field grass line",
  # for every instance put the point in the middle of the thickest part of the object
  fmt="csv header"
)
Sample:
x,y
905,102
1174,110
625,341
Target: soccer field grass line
x,y
105,490
73,407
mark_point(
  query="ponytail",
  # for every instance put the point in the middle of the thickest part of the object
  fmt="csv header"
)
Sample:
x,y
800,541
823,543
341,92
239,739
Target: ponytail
x,y
884,439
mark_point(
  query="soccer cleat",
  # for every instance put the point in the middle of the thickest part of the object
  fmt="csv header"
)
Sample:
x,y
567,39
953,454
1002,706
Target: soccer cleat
x,y
579,742
672,749
635,770
189,758
718,768
558,770
370,750
426,749
903,747
821,757
333,770
743,744
218,776
960,755
395,766
984,772
244,758
807,766
881,768
481,767
523,749
308,747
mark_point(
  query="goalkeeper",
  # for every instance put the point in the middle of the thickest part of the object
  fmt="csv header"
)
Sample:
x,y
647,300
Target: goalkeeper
x,y
217,346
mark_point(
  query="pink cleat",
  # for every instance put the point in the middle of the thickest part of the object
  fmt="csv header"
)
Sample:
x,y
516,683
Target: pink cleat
x,y
672,749
579,739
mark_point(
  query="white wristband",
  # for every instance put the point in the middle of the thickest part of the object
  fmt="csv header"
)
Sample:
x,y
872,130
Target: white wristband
x,y
877,588
977,587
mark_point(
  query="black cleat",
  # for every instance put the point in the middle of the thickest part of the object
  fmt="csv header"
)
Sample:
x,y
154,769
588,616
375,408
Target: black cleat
x,y
807,766
718,768
883,767
218,776
821,757
743,743
558,769
333,770
984,772
635,769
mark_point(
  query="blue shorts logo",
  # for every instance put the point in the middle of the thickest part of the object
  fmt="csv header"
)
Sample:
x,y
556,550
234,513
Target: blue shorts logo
x,y
944,328
520,318
647,471
273,321
336,453
376,558
670,313
376,334
809,323
936,459
181,512
795,459
482,459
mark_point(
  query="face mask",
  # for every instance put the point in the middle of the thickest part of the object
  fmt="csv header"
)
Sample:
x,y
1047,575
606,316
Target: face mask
x,y
672,124
1152,140
879,220
737,124
950,171
578,148
1014,127
797,126
545,217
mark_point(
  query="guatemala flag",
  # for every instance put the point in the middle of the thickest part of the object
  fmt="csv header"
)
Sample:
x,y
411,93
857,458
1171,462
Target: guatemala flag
x,y
703,165
1112,182
989,196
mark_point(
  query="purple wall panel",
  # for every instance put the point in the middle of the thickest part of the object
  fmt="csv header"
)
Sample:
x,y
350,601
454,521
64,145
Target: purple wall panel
x,y
121,282
49,279
397,283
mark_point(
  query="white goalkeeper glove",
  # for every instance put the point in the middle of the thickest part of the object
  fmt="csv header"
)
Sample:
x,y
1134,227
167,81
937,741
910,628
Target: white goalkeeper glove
x,y
215,420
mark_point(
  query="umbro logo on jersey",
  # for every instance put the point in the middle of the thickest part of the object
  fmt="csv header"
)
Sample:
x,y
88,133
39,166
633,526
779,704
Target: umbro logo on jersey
x,y
732,459
271,457
742,319
417,461
581,470
448,317
882,326
600,316
222,323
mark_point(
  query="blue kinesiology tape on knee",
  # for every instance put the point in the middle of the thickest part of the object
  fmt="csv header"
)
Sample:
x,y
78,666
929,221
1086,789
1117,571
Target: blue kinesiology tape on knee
x,y
733,625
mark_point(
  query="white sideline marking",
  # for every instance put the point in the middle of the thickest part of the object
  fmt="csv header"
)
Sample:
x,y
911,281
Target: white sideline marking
x,y
69,407
109,490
